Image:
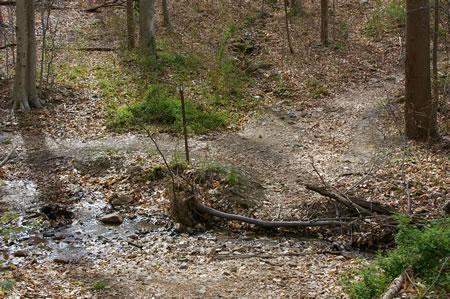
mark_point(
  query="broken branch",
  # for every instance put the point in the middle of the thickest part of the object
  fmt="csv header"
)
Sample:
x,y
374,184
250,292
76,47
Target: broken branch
x,y
8,156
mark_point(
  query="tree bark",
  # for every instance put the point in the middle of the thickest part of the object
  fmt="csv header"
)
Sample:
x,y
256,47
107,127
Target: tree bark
x,y
166,16
24,92
130,24
435,53
324,22
147,36
420,115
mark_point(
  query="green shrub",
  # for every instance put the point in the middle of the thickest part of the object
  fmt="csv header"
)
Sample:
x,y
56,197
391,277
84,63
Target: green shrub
x,y
426,250
100,285
6,285
159,107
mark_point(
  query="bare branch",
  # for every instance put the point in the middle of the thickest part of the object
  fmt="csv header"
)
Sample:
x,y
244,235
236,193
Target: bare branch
x,y
3,162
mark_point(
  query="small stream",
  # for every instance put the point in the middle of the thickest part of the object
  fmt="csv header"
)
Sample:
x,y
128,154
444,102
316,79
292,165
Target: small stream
x,y
35,239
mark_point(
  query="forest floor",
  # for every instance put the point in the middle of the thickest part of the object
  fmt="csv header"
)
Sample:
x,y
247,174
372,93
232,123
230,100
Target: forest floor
x,y
67,169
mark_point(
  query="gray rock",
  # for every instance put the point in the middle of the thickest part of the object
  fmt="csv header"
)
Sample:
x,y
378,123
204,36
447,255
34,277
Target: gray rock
x,y
183,266
113,218
121,200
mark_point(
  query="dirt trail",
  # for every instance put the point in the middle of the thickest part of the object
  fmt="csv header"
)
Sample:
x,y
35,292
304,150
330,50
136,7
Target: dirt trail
x,y
277,147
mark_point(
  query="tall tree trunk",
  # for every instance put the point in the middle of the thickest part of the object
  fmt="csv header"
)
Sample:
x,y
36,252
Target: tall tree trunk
x,y
147,36
420,115
24,92
324,22
166,17
130,24
435,53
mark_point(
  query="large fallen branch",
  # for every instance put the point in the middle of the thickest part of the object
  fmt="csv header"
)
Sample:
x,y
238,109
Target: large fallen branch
x,y
7,46
262,223
7,3
361,206
395,285
106,4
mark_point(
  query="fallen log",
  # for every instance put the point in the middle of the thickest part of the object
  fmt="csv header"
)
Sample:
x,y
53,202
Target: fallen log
x,y
262,223
97,49
7,3
395,285
106,4
363,207
7,46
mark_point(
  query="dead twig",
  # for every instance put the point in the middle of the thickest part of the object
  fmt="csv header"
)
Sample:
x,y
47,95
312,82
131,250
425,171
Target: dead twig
x,y
436,278
8,156
7,46
405,150
318,173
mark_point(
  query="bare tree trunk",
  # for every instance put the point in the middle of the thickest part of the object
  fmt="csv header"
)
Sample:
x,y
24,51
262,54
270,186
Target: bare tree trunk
x,y
166,16
147,36
324,23
291,50
420,115
435,54
24,92
130,24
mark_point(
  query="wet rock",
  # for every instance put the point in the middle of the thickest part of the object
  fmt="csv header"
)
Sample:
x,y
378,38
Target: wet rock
x,y
120,200
113,218
54,212
21,253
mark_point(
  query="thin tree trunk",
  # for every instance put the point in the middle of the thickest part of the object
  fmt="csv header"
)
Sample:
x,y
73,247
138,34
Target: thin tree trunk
x,y
420,115
147,36
324,22
130,24
166,16
291,50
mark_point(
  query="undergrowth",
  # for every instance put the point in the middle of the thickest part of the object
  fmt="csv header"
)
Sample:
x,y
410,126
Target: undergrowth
x,y
388,15
214,89
425,249
160,107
